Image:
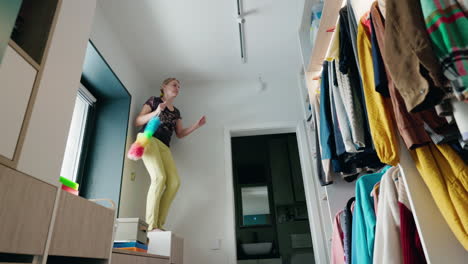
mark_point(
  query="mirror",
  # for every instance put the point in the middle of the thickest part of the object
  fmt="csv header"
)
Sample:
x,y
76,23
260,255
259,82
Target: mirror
x,y
255,206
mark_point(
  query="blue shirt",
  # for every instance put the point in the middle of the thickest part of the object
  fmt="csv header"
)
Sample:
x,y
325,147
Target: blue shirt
x,y
364,220
327,140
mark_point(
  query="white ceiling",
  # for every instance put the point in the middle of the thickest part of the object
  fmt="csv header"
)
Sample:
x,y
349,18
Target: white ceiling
x,y
198,39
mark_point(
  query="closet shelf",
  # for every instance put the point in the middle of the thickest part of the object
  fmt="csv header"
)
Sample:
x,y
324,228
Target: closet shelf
x,y
313,54
24,54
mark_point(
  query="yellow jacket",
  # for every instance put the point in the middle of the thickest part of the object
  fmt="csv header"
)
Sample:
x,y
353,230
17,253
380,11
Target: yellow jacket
x,y
379,109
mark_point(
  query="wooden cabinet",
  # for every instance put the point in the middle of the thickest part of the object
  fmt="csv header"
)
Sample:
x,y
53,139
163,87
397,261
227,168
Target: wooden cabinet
x,y
82,228
17,79
123,257
177,250
26,207
20,72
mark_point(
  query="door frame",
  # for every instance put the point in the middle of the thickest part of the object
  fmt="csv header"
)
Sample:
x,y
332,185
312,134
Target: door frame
x,y
311,184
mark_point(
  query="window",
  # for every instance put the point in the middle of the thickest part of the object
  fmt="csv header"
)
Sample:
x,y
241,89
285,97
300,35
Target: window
x,y
74,151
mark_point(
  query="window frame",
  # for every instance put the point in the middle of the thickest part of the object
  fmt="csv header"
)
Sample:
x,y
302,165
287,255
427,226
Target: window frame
x,y
86,129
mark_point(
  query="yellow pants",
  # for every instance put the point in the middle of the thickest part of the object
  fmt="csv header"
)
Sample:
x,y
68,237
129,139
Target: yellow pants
x,y
164,182
446,176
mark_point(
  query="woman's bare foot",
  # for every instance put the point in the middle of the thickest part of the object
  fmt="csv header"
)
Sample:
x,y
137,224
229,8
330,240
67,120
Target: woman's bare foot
x,y
158,230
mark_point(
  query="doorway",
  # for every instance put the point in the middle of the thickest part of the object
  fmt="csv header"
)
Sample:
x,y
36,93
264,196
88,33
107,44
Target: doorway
x,y
271,218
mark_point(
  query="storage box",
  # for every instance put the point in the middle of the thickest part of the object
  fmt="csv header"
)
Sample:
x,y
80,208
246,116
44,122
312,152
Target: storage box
x,y
166,243
131,229
132,246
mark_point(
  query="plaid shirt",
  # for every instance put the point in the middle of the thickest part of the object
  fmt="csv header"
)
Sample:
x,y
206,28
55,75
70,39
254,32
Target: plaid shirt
x,y
447,25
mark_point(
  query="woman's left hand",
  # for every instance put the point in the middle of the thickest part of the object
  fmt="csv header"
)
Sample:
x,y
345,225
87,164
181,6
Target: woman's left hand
x,y
201,121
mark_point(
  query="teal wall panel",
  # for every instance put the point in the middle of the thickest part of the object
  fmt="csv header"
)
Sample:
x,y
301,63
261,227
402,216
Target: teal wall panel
x,y
106,153
103,169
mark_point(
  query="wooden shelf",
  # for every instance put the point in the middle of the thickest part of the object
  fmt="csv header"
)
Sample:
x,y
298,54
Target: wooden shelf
x,y
314,53
329,19
128,252
33,26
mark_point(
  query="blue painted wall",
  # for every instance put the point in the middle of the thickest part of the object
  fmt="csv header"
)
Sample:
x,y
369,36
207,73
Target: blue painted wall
x,y
104,163
102,175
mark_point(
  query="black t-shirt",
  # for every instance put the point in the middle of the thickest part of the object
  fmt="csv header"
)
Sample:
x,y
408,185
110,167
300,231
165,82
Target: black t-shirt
x,y
168,120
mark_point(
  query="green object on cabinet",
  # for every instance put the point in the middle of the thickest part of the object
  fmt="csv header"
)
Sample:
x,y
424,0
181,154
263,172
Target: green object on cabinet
x,y
69,183
8,12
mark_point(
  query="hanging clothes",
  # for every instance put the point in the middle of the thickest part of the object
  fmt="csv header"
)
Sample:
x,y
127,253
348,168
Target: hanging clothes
x,y
349,64
441,181
447,24
413,127
333,83
334,48
353,110
323,179
411,246
387,248
353,30
446,176
337,250
380,74
375,195
342,117
451,134
411,61
364,219
381,120
346,226
350,81
327,139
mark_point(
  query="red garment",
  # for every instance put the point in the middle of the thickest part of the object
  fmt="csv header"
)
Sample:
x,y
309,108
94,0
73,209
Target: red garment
x,y
410,242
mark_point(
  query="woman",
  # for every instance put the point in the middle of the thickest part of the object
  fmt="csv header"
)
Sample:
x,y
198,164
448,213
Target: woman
x,y
157,157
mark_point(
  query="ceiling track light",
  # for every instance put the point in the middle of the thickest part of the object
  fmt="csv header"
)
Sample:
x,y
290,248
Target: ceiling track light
x,y
240,21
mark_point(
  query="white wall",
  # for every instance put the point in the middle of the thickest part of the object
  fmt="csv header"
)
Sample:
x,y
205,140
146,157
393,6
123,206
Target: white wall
x,y
199,210
110,47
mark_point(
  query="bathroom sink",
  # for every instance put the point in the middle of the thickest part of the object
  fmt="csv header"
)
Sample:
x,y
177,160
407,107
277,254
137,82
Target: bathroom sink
x,y
257,248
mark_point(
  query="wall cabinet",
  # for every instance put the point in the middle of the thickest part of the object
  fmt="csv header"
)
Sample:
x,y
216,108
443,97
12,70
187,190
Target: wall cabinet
x,y
82,228
17,78
26,207
20,72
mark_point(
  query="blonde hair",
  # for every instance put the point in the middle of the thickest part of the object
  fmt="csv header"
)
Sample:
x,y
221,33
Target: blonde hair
x,y
166,82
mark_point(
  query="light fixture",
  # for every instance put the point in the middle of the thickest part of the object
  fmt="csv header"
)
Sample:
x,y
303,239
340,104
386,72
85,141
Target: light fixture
x,y
240,21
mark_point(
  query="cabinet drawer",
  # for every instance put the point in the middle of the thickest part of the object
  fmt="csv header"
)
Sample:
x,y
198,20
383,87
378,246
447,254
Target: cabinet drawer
x,y
26,207
82,228
17,78
133,259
